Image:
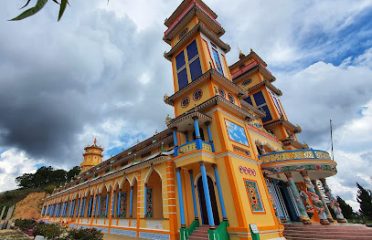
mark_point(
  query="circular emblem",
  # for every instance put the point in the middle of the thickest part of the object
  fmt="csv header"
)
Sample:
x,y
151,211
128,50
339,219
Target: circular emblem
x,y
185,102
231,98
222,93
198,94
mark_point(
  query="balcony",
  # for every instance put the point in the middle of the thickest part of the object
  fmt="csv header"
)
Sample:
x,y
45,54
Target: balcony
x,y
192,146
300,154
317,162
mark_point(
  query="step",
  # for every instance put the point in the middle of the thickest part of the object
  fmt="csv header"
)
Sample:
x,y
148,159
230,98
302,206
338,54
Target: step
x,y
198,238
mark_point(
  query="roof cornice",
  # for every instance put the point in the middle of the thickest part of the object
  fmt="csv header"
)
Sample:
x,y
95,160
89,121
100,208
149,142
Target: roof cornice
x,y
200,27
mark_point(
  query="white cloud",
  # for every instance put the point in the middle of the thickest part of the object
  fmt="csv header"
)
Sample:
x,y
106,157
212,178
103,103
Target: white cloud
x,y
13,163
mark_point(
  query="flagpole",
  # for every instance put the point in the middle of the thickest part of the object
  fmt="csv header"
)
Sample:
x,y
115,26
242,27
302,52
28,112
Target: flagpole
x,y
330,123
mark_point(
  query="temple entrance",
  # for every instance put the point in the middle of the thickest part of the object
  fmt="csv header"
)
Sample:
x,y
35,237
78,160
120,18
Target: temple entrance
x,y
202,203
289,205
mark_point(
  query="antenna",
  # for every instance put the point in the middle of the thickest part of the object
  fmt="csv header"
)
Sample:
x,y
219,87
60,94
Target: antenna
x,y
331,128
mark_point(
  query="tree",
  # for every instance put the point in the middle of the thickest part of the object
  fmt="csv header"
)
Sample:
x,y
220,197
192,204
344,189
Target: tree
x,y
38,6
364,198
73,172
347,210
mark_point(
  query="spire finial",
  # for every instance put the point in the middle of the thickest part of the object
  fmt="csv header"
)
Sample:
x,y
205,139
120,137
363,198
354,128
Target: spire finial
x,y
95,141
241,54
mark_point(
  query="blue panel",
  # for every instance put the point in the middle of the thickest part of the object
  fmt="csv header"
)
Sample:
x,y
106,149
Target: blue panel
x,y
259,98
182,79
217,61
154,236
192,50
123,232
248,100
236,133
268,114
180,60
195,69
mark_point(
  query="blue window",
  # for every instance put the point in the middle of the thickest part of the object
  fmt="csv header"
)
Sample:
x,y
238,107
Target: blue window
x,y
268,117
195,69
217,60
248,100
262,105
259,98
180,60
182,79
192,50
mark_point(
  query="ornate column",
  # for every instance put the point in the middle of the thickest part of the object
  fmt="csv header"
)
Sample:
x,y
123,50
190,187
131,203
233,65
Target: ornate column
x,y
317,203
193,195
219,189
328,213
208,124
197,133
303,214
183,234
333,202
206,195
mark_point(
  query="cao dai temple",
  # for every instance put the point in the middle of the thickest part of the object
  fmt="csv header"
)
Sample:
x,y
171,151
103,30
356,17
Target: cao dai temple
x,y
228,165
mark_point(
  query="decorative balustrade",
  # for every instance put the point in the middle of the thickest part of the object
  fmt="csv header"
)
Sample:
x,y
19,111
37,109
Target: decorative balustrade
x,y
299,154
191,146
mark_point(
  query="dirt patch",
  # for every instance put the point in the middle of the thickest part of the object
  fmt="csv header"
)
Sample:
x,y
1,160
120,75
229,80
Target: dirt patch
x,y
30,206
13,234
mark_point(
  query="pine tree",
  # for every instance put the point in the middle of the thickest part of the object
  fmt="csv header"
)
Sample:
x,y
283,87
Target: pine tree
x,y
347,210
364,199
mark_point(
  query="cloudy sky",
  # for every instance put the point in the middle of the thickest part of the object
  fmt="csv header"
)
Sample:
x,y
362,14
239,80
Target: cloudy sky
x,y
101,72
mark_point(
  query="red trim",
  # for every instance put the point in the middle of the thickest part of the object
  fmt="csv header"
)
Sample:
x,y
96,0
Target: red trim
x,y
262,133
244,69
179,18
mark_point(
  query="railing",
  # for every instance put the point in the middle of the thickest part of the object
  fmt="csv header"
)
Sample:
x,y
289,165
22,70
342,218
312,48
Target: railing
x,y
299,154
191,146
220,232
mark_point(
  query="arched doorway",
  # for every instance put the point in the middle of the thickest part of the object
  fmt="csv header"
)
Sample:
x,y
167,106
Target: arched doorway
x,y
154,197
202,202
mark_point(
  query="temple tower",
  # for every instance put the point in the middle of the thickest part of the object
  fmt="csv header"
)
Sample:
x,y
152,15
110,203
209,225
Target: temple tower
x,y
251,74
92,156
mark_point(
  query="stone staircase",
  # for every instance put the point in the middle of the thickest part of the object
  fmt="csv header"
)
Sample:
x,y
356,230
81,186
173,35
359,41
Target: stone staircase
x,y
201,233
329,232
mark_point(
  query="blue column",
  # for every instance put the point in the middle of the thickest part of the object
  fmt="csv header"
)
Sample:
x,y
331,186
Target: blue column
x,y
78,209
193,194
197,133
131,202
175,142
113,204
107,204
118,205
180,197
210,135
90,207
206,195
145,200
187,137
98,208
219,189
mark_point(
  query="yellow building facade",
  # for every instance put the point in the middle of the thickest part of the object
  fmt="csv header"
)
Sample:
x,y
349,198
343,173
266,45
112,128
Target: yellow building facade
x,y
228,166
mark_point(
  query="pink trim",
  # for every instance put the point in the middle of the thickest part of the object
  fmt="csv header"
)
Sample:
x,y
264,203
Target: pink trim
x,y
245,69
179,18
262,133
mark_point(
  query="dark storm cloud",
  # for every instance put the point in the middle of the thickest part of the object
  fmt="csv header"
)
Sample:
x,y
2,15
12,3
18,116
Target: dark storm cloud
x,y
58,78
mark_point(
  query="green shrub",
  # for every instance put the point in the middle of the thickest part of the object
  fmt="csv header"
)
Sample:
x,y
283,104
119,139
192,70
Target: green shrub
x,y
50,231
85,234
25,224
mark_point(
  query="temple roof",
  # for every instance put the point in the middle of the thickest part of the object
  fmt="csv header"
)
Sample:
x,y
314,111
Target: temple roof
x,y
184,6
